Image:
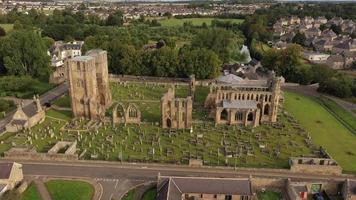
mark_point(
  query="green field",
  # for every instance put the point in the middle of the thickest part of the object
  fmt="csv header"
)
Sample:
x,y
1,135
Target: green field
x,y
345,117
69,190
7,27
324,129
63,101
194,21
31,193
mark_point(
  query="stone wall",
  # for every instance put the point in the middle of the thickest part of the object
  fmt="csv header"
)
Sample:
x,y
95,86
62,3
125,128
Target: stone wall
x,y
30,154
315,166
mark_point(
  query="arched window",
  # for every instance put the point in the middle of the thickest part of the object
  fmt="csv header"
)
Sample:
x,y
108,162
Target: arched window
x,y
250,117
270,98
223,115
266,110
239,116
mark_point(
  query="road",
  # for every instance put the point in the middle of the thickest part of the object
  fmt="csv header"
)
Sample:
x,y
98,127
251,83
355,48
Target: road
x,y
117,178
47,97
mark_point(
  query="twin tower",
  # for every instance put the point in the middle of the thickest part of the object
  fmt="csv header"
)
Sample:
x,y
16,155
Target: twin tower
x,y
89,87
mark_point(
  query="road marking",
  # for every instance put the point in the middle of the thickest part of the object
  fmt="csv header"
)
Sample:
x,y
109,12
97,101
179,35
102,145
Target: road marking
x,y
117,182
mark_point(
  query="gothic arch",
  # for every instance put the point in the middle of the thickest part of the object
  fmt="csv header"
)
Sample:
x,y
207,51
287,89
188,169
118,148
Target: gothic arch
x,y
118,113
250,117
133,111
266,109
224,115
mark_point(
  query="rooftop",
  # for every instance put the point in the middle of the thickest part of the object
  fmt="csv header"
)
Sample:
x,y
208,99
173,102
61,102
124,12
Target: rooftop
x,y
172,188
5,170
241,104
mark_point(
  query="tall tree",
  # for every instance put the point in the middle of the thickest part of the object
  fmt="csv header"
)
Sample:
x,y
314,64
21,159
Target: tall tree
x,y
25,53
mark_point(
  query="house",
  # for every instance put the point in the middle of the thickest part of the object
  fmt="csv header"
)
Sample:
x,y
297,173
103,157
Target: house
x,y
345,46
312,32
329,34
335,21
59,53
10,175
316,56
26,116
323,45
308,20
335,62
203,188
350,58
321,20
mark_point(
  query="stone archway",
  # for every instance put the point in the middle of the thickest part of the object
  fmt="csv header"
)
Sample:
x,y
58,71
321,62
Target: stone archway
x,y
250,117
133,114
224,115
118,113
266,110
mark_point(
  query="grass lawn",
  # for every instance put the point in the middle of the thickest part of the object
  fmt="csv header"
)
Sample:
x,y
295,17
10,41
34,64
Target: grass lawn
x,y
346,117
150,194
64,115
129,195
268,195
7,27
194,21
31,193
324,129
69,190
63,101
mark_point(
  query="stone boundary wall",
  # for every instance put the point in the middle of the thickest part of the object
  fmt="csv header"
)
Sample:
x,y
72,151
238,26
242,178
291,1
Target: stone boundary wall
x,y
157,80
39,156
317,169
60,145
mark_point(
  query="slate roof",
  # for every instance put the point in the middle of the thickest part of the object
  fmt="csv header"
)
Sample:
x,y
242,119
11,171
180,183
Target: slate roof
x,y
5,170
241,104
172,188
230,78
82,58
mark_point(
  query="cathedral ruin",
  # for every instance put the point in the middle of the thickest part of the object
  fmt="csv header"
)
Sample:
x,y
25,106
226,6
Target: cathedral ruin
x,y
176,113
89,85
250,102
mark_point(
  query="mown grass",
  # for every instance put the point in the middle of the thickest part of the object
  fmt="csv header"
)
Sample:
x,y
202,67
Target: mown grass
x,y
63,101
69,190
194,21
31,193
324,129
343,115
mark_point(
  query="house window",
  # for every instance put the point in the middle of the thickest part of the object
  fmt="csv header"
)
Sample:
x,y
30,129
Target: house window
x,y
228,197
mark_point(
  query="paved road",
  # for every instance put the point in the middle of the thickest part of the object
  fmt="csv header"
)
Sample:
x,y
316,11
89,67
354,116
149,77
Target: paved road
x,y
149,172
117,178
47,97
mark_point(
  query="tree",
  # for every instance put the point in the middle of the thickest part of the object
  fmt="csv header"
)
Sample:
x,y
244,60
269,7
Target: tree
x,y
115,19
203,63
287,63
224,43
25,53
299,38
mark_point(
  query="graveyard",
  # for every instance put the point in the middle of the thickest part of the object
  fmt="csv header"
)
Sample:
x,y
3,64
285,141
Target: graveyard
x,y
269,145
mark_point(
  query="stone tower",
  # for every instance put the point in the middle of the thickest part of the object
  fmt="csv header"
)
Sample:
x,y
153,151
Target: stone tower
x,y
88,85
102,75
275,87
